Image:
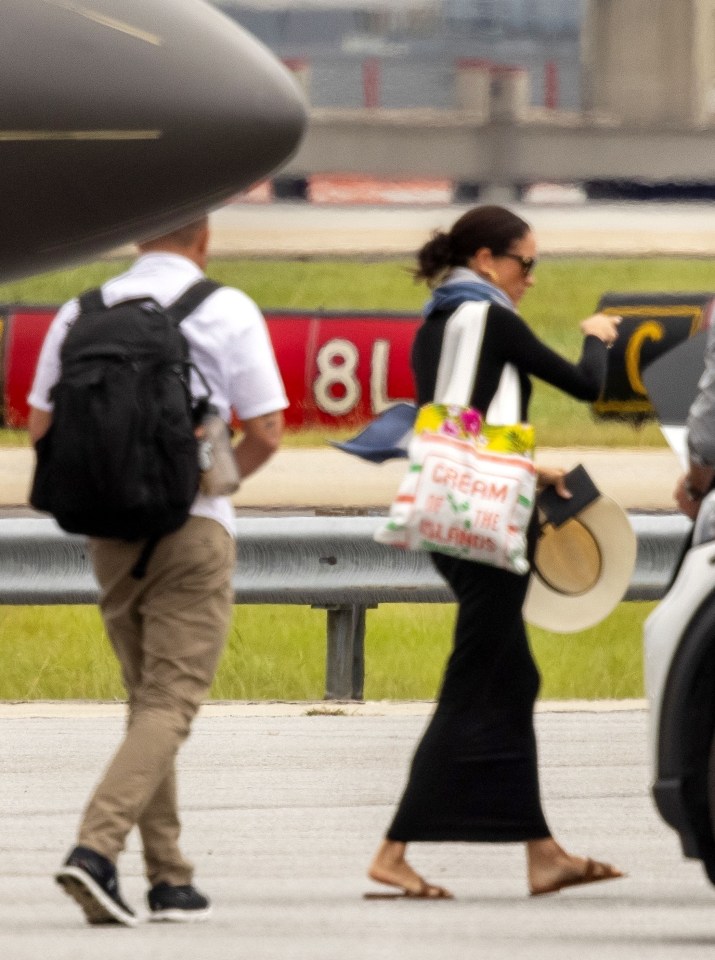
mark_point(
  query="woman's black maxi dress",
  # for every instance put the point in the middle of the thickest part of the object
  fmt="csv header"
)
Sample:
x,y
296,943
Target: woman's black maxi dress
x,y
474,774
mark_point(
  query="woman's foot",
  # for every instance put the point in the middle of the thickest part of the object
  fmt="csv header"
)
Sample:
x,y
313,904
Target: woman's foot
x,y
551,869
391,868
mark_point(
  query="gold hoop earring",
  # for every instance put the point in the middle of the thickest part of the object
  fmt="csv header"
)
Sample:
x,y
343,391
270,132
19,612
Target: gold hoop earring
x,y
491,275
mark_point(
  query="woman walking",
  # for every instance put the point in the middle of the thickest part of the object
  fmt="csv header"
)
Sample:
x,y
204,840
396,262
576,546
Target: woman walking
x,y
474,774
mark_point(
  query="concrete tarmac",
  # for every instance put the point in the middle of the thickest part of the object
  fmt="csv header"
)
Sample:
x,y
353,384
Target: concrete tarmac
x,y
582,229
312,479
282,814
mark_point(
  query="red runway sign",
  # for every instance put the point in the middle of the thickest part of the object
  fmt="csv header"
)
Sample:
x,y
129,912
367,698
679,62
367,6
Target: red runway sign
x,y
343,369
339,369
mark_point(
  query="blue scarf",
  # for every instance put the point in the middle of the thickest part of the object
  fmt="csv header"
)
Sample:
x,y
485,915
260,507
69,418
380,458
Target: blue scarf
x,y
388,435
463,285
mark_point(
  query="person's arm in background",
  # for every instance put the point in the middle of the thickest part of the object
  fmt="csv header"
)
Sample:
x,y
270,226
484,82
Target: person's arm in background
x,y
38,423
261,438
692,487
47,372
697,480
254,385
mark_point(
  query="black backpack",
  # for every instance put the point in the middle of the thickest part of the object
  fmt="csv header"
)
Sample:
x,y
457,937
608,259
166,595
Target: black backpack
x,y
120,457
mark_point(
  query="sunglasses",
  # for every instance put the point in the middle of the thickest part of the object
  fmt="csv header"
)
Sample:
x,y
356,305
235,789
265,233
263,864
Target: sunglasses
x,y
527,264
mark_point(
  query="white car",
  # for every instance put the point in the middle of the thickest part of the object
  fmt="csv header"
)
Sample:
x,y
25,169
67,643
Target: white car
x,y
679,639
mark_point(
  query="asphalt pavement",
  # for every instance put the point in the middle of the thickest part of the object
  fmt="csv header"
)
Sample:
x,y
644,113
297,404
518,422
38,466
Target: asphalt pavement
x,y
282,813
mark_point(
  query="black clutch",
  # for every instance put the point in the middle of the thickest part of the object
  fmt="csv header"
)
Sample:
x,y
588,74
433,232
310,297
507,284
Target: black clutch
x,y
557,510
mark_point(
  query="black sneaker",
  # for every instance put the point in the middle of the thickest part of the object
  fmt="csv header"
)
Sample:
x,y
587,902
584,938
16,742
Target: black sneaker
x,y
91,880
183,904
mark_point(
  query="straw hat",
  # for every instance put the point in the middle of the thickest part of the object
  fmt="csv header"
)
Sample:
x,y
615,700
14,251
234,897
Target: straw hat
x,y
582,568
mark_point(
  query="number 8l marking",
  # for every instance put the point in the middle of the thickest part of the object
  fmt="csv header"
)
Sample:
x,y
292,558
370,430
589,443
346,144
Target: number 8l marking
x,y
336,388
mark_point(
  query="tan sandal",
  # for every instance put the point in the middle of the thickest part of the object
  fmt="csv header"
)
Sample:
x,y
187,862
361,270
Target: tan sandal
x,y
427,891
593,872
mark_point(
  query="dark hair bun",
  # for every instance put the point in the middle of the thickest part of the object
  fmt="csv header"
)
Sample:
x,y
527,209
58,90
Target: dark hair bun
x,y
434,257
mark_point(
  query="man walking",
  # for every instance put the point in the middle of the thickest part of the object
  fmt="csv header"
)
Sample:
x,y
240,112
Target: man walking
x,y
169,627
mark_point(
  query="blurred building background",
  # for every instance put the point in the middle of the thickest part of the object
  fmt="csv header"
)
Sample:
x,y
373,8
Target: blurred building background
x,y
617,96
402,53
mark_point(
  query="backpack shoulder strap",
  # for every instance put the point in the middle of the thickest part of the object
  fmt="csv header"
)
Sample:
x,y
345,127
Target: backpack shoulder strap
x,y
191,299
91,301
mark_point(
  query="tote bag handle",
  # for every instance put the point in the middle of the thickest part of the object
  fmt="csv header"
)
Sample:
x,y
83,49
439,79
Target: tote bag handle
x,y
458,362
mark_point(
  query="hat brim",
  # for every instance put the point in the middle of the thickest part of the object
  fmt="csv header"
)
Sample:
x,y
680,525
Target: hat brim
x,y
560,611
385,438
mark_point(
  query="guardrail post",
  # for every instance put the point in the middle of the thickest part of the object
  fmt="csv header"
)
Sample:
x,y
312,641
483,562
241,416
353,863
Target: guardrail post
x,y
345,661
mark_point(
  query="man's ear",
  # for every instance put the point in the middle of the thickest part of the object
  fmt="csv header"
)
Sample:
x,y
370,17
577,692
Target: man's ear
x,y
201,246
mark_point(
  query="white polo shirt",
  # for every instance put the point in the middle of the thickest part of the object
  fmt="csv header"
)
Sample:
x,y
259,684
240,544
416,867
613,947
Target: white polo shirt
x,y
228,341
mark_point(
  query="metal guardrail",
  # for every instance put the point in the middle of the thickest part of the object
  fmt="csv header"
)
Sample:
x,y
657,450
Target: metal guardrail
x,y
330,563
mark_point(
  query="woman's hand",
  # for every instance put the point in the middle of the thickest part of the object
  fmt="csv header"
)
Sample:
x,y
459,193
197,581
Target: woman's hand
x,y
601,325
553,477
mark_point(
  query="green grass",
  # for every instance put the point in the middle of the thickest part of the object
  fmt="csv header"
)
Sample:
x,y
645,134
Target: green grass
x,y
278,653
60,652
13,438
567,290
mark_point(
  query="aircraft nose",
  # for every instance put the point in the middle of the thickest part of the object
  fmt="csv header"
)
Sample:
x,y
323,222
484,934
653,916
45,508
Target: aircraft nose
x,y
120,118
225,106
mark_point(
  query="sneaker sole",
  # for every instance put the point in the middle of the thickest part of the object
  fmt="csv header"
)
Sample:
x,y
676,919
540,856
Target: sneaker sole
x,y
180,916
98,908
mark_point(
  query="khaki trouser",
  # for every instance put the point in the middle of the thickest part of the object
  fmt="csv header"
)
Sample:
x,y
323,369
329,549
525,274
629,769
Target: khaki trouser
x,y
168,631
